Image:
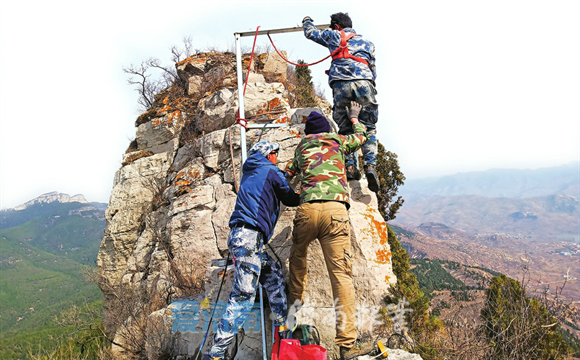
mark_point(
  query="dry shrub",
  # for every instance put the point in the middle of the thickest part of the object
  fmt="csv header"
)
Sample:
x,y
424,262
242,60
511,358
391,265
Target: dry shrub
x,y
518,326
145,117
511,325
140,329
156,184
137,155
462,336
133,330
133,146
186,274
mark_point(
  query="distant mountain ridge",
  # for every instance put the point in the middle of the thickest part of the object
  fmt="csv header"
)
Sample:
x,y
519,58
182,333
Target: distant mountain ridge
x,y
50,197
510,183
70,228
540,203
545,217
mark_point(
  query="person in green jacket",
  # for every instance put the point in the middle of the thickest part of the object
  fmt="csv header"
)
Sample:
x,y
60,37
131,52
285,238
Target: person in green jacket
x,y
323,215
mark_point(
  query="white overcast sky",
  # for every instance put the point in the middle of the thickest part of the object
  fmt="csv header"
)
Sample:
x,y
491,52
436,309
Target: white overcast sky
x,y
463,85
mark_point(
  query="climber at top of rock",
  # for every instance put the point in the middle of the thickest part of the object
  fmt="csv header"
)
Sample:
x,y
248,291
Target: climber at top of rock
x,y
351,76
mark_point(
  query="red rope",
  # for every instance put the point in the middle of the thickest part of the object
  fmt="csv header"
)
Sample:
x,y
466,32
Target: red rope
x,y
251,57
295,64
238,118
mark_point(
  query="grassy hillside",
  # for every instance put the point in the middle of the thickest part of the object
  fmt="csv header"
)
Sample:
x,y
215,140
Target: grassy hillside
x,y
36,286
73,230
43,251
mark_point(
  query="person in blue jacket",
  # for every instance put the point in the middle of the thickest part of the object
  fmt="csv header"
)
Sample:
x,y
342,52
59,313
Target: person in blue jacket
x,y
252,223
351,76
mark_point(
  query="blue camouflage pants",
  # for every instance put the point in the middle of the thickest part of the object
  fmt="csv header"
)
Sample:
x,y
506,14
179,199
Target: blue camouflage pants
x,y
363,92
251,264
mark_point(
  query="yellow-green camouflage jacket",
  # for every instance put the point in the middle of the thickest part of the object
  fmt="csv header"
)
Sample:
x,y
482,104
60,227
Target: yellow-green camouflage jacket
x,y
319,158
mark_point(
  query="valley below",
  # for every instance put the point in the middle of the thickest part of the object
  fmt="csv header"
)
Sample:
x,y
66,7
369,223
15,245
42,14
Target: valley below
x,y
550,268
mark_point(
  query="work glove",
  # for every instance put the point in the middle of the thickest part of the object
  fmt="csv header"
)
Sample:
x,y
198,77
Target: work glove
x,y
289,173
307,18
354,110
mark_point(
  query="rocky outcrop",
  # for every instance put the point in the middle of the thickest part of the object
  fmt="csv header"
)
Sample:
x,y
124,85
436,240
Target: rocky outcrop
x,y
171,201
50,197
395,354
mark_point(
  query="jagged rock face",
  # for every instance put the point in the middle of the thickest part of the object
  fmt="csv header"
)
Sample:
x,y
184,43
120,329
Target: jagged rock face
x,y
170,204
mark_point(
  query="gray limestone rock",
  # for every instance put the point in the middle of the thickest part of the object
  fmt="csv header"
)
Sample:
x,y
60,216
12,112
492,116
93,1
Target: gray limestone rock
x,y
217,111
168,215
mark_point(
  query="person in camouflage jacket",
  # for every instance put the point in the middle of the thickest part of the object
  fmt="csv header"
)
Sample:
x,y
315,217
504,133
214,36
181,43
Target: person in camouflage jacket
x,y
323,214
352,78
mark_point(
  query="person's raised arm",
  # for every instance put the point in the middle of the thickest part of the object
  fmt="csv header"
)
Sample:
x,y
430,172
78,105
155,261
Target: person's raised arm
x,y
311,32
354,141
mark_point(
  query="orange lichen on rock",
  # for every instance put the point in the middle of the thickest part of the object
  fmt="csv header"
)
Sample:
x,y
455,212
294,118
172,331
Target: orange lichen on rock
x,y
383,256
194,59
379,226
184,180
282,120
274,103
168,120
172,116
183,183
295,133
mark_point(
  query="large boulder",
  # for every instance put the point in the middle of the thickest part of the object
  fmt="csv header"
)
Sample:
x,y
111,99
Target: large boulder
x,y
171,202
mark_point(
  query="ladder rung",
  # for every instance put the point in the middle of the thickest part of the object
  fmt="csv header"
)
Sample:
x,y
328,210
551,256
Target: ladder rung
x,y
261,126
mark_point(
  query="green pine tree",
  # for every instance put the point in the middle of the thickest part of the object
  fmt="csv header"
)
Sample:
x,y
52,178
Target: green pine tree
x,y
390,177
519,327
304,87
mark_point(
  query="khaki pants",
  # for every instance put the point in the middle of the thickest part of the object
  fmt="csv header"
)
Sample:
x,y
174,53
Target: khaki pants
x,y
328,222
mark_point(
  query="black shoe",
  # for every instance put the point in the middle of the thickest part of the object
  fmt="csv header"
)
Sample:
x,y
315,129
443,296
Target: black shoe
x,y
353,173
359,349
372,178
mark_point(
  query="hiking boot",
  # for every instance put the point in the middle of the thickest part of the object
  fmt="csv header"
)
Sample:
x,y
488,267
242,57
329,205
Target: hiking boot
x,y
359,349
207,357
353,173
372,178
284,332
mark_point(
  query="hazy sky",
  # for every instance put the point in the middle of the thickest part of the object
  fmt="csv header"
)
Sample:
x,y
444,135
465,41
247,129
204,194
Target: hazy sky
x,y
463,85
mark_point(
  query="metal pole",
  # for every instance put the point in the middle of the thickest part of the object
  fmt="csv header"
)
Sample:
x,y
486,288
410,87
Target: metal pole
x,y
280,31
241,97
264,355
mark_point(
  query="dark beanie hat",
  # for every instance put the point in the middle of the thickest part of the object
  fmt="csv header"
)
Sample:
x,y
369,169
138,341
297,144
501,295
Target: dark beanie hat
x,y
316,124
